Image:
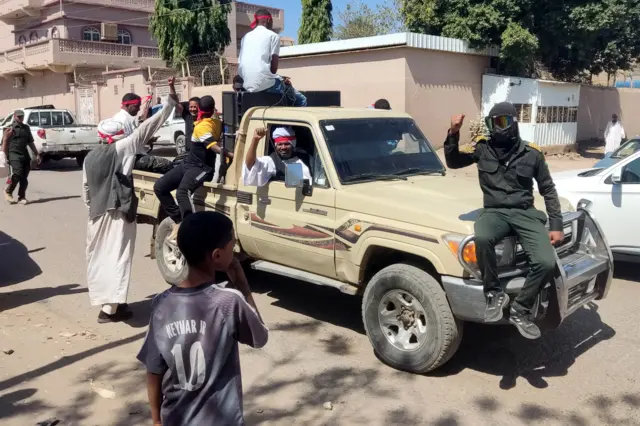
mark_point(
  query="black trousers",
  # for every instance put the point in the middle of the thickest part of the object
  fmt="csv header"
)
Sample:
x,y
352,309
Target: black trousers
x,y
184,178
20,169
528,225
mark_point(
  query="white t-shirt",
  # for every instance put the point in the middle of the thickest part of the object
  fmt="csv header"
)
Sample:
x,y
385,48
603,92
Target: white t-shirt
x,y
264,169
256,49
129,121
130,124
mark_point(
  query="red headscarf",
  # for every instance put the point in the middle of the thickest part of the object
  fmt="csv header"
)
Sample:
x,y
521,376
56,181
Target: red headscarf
x,y
256,18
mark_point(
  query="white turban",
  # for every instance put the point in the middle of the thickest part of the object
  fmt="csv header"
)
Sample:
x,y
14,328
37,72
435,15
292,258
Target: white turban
x,y
284,135
111,130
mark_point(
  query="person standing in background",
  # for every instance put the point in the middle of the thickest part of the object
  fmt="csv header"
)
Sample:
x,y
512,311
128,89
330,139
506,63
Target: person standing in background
x,y
613,135
16,141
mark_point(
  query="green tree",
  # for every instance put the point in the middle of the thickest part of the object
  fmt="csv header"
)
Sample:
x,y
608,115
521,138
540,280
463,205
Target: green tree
x,y
568,38
188,27
316,24
359,20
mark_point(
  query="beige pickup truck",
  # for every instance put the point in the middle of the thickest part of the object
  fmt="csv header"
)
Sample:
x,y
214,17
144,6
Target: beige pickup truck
x,y
381,220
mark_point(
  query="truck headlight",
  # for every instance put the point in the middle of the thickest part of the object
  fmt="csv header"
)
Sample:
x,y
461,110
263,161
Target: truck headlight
x,y
505,251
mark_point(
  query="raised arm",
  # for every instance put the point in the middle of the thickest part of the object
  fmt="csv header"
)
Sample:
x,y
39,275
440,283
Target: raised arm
x,y
251,155
454,158
150,126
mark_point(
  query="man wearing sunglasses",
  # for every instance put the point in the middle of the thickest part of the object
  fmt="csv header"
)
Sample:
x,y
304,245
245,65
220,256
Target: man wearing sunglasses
x,y
506,168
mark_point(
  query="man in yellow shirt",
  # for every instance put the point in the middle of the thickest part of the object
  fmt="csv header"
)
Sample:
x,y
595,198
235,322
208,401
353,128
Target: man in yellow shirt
x,y
197,168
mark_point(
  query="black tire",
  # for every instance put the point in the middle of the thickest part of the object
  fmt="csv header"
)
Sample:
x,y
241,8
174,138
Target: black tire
x,y
171,276
181,144
80,159
444,331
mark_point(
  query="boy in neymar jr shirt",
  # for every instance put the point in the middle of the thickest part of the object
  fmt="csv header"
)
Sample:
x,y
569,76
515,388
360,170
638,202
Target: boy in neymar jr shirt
x,y
191,349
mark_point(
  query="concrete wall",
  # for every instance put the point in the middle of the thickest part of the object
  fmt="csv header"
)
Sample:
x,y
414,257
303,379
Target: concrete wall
x,y
438,85
362,77
45,87
116,87
598,103
431,86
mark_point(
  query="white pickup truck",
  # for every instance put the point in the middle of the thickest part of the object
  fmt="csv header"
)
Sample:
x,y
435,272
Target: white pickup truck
x,y
57,134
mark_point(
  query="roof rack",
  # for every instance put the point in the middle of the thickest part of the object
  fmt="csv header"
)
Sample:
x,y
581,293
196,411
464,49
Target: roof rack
x,y
40,107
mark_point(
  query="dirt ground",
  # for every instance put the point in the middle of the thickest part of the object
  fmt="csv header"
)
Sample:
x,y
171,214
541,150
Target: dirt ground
x,y
56,361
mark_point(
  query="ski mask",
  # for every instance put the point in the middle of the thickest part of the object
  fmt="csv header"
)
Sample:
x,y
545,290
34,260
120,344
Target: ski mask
x,y
503,128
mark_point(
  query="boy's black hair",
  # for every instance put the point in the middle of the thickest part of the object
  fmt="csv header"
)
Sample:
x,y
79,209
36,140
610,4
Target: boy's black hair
x,y
131,97
207,104
195,99
382,104
201,233
238,79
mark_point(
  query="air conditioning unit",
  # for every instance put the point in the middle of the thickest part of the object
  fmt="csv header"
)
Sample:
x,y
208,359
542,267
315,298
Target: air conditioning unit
x,y
18,82
109,31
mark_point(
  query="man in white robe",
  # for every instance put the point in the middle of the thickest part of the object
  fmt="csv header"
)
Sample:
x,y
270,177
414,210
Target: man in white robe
x,y
111,233
257,171
613,135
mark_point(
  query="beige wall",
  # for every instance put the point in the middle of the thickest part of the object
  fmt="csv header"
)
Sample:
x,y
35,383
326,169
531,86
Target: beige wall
x,y
598,103
362,77
429,85
43,88
109,100
441,84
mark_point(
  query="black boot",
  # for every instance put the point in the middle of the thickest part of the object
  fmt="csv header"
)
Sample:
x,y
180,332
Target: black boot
x,y
523,323
496,302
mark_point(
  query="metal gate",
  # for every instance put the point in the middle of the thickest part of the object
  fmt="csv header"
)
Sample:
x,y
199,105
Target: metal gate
x,y
163,91
84,105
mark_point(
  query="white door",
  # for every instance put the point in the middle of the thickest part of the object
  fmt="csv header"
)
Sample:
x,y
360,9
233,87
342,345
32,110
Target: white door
x,y
84,105
616,206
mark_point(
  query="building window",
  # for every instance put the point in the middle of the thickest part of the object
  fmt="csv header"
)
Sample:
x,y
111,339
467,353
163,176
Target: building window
x,y
124,37
33,37
524,112
54,33
91,34
22,40
115,89
133,88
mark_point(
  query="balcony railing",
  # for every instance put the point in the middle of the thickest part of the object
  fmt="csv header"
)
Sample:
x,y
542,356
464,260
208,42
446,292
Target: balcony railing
x,y
142,5
42,54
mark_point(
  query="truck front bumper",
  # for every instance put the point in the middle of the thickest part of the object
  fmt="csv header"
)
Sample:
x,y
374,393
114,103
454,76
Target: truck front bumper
x,y
584,273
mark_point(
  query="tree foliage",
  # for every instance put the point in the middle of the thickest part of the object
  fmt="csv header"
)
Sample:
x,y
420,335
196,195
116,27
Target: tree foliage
x,y
569,38
316,24
359,20
187,27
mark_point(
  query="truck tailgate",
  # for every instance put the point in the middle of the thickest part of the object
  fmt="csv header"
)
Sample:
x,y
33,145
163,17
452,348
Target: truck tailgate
x,y
74,135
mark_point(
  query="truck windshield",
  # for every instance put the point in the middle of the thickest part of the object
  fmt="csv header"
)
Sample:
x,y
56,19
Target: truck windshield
x,y
362,149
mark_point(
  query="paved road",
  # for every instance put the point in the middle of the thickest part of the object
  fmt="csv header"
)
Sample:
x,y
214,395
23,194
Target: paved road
x,y
585,373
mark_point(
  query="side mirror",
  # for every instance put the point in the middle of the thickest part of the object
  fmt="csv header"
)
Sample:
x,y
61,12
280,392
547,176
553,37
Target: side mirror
x,y
293,175
616,176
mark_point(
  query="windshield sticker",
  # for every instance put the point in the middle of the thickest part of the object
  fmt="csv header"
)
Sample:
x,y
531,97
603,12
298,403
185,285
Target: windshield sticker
x,y
329,127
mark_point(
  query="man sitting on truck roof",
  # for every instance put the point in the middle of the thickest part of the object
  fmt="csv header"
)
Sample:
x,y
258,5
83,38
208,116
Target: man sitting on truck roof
x,y
258,61
257,171
197,168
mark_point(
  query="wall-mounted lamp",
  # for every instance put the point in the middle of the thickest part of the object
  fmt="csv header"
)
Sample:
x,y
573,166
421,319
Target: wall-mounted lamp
x,y
519,83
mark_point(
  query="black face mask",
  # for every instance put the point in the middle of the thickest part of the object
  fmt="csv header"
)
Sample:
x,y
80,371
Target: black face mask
x,y
504,141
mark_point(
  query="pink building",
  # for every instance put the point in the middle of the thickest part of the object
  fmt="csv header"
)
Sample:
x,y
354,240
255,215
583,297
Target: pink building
x,y
47,45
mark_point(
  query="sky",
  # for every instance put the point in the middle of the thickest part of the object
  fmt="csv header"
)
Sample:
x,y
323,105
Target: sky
x,y
293,9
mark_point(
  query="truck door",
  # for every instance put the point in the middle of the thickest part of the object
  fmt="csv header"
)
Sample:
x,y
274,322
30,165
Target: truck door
x,y
292,229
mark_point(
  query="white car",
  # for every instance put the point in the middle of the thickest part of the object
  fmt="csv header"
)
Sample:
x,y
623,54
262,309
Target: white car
x,y
614,196
172,134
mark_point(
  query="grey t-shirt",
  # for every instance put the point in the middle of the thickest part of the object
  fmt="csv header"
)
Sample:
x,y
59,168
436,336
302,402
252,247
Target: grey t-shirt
x,y
192,342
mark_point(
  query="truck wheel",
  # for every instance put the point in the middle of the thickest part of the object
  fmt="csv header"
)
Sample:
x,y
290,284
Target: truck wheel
x,y
181,144
170,261
80,159
408,319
